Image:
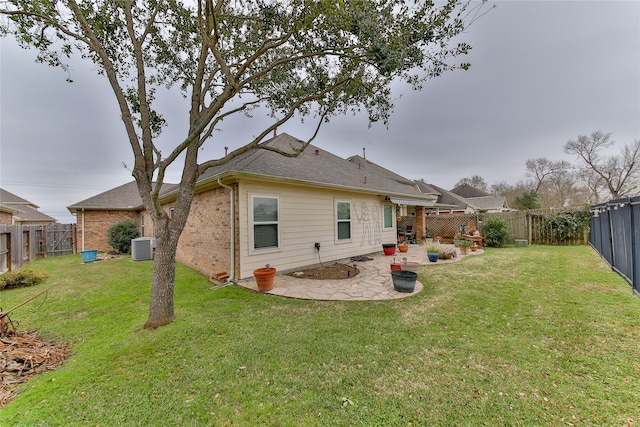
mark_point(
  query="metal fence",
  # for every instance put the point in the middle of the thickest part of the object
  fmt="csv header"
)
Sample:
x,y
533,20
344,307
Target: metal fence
x,y
20,244
615,235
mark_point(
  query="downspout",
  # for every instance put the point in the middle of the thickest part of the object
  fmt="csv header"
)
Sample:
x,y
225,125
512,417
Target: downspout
x,y
83,229
232,207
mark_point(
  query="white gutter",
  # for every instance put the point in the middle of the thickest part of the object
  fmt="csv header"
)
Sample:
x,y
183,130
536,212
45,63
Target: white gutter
x,y
83,229
232,206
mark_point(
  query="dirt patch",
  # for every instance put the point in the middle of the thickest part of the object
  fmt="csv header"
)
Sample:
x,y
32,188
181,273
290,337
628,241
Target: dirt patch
x,y
24,354
328,272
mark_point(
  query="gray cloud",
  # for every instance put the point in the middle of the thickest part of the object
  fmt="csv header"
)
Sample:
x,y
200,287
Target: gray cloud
x,y
542,73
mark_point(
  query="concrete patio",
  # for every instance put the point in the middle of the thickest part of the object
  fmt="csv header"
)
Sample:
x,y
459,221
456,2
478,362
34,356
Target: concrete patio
x,y
372,283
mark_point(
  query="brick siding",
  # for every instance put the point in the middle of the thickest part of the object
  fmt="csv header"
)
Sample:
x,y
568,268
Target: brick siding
x,y
96,224
205,243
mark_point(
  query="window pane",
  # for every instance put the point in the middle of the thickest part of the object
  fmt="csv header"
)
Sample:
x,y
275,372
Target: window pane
x,y
265,236
265,209
344,210
344,230
388,216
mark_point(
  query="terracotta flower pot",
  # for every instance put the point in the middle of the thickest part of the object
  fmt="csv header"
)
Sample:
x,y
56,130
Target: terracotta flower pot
x,y
389,248
265,278
403,247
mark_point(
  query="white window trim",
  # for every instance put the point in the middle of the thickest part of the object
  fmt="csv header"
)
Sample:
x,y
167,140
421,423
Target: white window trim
x,y
337,221
252,248
384,205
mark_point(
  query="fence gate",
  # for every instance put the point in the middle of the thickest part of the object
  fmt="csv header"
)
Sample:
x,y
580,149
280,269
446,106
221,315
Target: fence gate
x,y
20,244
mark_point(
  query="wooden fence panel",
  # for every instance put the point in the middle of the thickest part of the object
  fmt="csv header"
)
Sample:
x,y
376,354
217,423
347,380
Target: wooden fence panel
x,y
535,226
21,244
5,250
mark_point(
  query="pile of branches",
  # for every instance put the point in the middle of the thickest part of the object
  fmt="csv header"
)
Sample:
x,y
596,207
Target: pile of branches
x,y
24,354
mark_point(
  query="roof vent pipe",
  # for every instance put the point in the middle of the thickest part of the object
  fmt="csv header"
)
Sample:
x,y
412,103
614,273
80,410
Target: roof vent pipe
x,y
317,152
364,154
226,149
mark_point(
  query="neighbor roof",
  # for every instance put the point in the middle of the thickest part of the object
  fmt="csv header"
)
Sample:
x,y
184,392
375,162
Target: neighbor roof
x,y
10,199
124,197
466,191
22,209
487,202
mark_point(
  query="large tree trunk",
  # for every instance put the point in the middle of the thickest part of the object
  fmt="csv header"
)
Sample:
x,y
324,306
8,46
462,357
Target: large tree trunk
x,y
161,307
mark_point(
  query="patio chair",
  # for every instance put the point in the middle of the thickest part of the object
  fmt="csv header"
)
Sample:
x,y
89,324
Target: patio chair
x,y
408,233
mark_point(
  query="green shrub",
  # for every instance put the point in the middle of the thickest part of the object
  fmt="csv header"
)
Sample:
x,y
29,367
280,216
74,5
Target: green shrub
x,y
120,235
21,278
495,232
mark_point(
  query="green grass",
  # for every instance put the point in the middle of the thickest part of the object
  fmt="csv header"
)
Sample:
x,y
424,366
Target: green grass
x,y
518,337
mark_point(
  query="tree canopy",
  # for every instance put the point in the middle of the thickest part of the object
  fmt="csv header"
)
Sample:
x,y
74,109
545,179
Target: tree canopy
x,y
294,58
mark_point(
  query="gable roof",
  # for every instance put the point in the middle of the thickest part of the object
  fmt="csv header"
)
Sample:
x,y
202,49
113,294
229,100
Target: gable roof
x,y
22,209
313,166
317,167
10,199
446,197
466,191
488,202
124,197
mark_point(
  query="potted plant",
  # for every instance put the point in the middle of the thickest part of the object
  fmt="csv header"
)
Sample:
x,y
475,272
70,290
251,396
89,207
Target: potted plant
x,y
404,280
465,245
265,278
433,251
448,252
389,248
403,247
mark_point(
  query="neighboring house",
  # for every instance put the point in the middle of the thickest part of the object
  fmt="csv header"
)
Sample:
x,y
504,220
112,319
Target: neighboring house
x,y
464,199
15,210
264,208
96,214
481,201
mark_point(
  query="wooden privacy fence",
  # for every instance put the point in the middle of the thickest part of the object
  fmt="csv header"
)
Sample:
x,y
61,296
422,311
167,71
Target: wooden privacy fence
x,y
615,235
20,244
545,227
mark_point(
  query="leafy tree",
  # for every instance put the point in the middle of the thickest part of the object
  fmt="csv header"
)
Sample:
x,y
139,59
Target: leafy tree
x,y
528,200
495,231
619,174
120,234
292,58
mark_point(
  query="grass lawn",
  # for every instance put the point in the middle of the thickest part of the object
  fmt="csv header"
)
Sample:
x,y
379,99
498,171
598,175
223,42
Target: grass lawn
x,y
518,337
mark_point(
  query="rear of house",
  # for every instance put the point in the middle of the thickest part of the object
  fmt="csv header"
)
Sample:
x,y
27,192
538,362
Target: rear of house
x,y
264,208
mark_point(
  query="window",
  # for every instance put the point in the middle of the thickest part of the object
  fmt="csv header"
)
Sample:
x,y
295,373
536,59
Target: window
x,y
387,216
265,222
343,215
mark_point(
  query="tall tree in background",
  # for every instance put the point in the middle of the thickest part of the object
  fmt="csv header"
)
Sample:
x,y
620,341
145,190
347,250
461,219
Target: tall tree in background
x,y
620,174
293,58
554,182
543,170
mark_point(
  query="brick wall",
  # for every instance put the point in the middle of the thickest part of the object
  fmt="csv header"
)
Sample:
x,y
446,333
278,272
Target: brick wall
x,y
205,243
5,218
96,224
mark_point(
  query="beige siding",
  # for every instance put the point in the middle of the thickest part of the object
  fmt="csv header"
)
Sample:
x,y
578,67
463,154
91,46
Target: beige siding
x,y
307,216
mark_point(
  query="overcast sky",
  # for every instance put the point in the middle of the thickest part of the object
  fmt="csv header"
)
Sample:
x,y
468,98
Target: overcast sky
x,y
542,73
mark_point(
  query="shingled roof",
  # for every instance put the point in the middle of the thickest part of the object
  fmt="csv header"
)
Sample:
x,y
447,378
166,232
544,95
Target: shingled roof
x,y
317,167
313,166
124,197
24,211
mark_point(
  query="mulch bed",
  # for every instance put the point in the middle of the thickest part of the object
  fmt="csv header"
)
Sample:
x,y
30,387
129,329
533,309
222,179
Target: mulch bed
x,y
328,272
24,354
